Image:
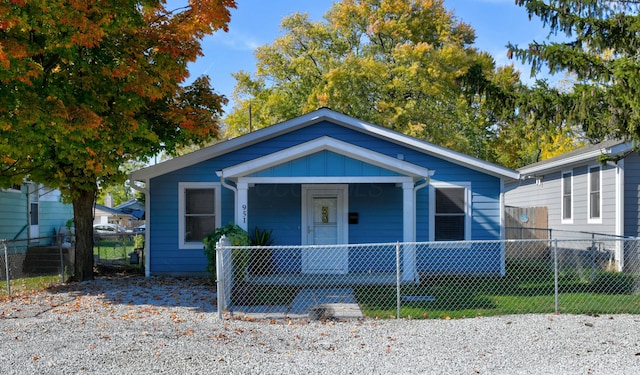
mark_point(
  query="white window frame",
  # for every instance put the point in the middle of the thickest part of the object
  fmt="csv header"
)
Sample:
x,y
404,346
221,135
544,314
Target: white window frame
x,y
432,207
12,189
564,220
598,219
182,186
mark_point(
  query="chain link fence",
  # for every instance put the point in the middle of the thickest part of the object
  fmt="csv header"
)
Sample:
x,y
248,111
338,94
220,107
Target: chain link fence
x,y
29,264
431,280
121,249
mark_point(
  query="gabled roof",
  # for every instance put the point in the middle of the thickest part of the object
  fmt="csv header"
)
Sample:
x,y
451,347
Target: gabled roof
x,y
326,143
589,153
109,210
323,114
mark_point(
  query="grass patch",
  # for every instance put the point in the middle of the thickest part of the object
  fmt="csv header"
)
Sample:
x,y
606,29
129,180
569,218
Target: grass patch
x,y
111,249
524,289
28,284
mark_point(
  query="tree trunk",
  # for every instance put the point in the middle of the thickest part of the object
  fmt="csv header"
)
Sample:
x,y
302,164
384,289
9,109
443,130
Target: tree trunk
x,y
83,219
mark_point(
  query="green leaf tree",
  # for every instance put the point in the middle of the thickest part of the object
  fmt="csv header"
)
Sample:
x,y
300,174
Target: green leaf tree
x,y
599,45
87,85
406,65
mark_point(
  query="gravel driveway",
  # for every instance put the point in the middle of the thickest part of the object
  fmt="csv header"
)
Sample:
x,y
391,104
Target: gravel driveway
x,y
162,325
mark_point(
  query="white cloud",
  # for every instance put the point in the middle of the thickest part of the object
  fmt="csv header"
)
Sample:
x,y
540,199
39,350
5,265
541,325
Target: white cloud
x,y
236,41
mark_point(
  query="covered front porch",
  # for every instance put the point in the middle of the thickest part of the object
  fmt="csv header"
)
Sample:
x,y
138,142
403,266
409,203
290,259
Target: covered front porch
x,y
311,194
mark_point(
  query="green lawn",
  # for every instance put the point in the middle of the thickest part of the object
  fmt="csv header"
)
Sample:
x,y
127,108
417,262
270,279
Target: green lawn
x,y
26,284
116,248
520,291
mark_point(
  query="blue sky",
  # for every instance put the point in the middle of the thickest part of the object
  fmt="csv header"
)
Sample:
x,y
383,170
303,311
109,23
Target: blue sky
x,y
257,22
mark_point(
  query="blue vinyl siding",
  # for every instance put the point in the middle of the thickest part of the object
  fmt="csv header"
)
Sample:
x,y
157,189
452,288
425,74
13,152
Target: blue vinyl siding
x,y
325,163
476,259
278,206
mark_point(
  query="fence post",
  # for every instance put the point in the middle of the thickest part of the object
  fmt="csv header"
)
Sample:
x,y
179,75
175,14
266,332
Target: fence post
x,y
6,265
555,274
221,277
398,297
61,262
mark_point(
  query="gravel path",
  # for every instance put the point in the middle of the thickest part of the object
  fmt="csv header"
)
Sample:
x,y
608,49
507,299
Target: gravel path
x,y
160,325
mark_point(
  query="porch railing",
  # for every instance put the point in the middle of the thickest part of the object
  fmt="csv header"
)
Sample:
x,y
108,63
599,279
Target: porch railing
x,y
431,279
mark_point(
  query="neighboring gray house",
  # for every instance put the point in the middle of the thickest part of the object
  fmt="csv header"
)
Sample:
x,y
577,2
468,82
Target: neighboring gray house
x,y
582,193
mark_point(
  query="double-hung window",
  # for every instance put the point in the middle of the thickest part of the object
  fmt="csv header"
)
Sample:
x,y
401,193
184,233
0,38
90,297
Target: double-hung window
x,y
199,212
567,197
450,213
595,201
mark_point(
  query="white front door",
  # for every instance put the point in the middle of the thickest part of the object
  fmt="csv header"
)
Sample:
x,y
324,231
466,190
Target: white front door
x,y
34,211
324,222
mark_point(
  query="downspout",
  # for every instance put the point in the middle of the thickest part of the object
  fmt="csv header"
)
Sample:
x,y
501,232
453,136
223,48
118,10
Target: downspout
x,y
147,221
427,181
224,183
409,268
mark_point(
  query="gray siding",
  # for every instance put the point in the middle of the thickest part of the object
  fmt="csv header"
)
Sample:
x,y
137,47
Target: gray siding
x,y
547,192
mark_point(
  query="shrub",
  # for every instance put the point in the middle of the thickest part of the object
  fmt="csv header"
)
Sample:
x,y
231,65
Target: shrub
x,y
613,283
260,261
236,235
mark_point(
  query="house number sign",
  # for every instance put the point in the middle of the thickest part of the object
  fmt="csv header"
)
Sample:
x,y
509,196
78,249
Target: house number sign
x,y
244,213
325,214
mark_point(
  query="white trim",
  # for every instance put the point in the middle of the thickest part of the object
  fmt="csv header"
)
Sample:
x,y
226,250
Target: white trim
x,y
12,190
327,180
564,162
619,202
573,197
619,215
182,244
595,220
323,114
502,213
343,190
325,143
467,206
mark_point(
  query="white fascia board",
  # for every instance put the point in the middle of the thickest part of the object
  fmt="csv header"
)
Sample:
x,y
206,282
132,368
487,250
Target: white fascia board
x,y
228,146
327,180
580,158
423,146
562,162
329,144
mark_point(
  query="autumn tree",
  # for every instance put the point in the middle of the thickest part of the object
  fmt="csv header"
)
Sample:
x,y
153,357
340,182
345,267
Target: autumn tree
x,y
87,85
406,65
597,43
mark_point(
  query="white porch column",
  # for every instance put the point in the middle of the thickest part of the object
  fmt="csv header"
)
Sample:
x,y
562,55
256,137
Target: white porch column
x,y
242,206
409,232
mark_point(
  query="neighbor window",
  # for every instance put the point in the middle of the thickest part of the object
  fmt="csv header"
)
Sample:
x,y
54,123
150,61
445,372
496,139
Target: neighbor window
x,y
567,196
594,194
450,216
199,207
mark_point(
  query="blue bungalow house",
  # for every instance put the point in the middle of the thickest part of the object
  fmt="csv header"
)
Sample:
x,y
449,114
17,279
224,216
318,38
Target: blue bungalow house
x,y
321,178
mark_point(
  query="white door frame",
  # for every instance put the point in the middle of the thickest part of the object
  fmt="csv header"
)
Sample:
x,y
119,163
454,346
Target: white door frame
x,y
341,192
